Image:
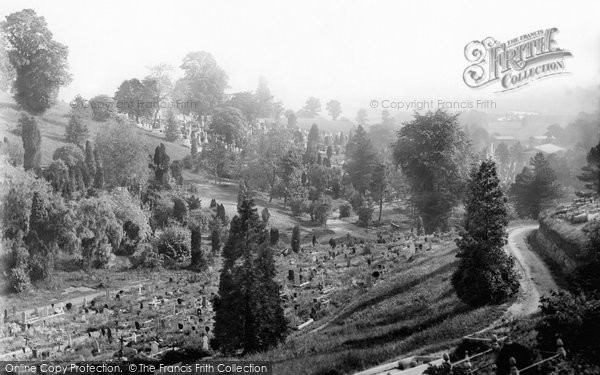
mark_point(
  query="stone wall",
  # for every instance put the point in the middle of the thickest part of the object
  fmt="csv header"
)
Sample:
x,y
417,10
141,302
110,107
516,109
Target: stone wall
x,y
565,244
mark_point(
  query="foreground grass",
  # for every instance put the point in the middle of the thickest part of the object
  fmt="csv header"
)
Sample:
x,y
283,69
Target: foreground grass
x,y
414,309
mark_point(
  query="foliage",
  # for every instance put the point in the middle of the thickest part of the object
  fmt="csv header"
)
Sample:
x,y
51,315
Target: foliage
x,y
202,84
334,108
198,261
361,159
161,166
534,189
312,145
229,123
177,171
273,236
248,311
39,61
296,239
133,98
32,143
265,215
573,318
434,154
77,131
486,273
180,210
345,210
103,107
365,213
172,127
122,156
591,171
175,243
311,107
320,210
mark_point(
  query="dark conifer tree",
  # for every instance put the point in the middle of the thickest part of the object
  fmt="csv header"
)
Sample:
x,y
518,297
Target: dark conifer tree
x,y
198,260
296,239
32,143
486,272
248,307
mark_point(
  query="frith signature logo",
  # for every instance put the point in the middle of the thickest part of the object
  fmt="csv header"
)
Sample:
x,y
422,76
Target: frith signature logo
x,y
515,63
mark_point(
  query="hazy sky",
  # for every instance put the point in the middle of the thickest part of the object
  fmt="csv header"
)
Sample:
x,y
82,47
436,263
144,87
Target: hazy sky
x,y
353,51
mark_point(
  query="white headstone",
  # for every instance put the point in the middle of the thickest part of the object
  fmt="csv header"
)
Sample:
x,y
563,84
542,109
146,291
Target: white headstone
x,y
153,347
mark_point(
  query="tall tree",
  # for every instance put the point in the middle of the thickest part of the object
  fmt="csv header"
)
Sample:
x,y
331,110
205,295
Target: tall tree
x,y
133,98
264,98
77,131
248,312
535,189
39,61
90,163
361,158
172,127
202,84
435,156
123,155
361,117
103,107
198,261
334,108
32,142
312,107
230,124
162,164
486,273
312,145
158,87
591,171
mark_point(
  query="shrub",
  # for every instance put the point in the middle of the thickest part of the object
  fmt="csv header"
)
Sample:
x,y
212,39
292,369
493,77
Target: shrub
x,y
365,213
345,210
175,243
180,210
321,209
274,236
198,259
193,202
162,211
104,256
265,215
199,218
188,162
148,257
296,239
356,200
19,279
575,319
298,206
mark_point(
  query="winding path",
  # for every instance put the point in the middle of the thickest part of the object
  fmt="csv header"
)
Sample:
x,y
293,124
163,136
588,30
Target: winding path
x,y
536,280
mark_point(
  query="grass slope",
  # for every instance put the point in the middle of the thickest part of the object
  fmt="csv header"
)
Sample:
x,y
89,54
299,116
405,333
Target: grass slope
x,y
415,310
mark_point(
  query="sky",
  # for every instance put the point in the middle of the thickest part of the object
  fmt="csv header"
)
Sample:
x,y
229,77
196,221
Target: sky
x,y
352,51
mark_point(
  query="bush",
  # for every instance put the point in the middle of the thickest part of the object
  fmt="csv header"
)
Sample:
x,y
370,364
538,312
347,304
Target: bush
x,y
298,206
365,213
147,257
274,236
175,243
345,210
180,210
356,200
19,279
321,209
188,162
265,215
104,256
296,239
573,318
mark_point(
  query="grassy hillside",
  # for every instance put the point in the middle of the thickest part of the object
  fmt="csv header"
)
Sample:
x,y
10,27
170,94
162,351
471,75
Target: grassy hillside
x,y
53,123
415,310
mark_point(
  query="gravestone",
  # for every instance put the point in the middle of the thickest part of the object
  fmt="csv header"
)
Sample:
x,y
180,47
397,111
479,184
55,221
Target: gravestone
x,y
137,325
205,342
203,302
153,347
